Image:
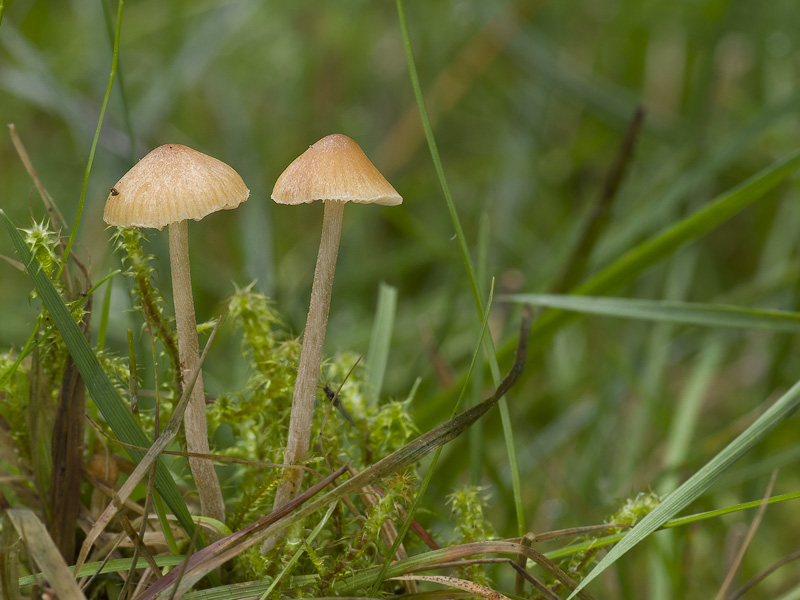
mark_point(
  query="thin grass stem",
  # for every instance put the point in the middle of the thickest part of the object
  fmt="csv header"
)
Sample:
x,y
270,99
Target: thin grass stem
x,y
471,275
90,162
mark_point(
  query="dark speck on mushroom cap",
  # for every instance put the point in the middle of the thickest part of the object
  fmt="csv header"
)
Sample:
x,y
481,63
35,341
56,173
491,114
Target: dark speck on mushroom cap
x,y
334,168
170,184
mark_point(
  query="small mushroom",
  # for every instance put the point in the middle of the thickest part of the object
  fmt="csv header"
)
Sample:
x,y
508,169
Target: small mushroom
x,y
170,185
336,171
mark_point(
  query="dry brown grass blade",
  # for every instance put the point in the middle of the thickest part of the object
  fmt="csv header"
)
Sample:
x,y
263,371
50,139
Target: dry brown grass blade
x,y
600,210
531,538
149,459
545,591
756,579
461,584
141,546
44,552
137,542
65,481
751,532
453,556
508,548
14,263
49,203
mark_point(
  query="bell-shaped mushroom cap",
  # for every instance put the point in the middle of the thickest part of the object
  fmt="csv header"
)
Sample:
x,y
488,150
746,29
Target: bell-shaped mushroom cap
x,y
173,183
335,168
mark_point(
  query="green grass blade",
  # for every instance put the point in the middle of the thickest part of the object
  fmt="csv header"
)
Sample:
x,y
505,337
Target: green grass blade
x,y
111,566
701,480
475,433
97,382
104,312
665,311
381,338
90,162
646,254
491,354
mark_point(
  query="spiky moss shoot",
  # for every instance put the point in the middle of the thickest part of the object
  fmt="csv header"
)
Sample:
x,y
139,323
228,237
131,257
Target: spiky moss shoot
x,y
467,510
255,316
467,506
635,509
43,244
391,428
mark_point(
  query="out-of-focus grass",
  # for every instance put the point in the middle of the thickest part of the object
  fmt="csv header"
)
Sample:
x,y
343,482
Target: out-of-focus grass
x,y
529,101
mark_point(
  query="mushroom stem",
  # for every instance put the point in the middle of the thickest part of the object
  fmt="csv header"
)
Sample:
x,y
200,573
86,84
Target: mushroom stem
x,y
194,421
311,352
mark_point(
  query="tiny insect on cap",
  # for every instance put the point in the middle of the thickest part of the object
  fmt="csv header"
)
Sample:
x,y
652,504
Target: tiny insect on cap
x,y
171,184
335,168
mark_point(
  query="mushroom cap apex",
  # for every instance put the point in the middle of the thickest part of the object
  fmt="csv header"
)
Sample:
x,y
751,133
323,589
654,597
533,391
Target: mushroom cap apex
x,y
173,183
334,168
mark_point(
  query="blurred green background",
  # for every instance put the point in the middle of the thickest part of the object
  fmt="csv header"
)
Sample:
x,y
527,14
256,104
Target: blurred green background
x,y
530,101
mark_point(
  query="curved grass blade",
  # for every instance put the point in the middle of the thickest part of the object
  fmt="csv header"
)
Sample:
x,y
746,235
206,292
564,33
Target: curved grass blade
x,y
665,311
97,382
700,481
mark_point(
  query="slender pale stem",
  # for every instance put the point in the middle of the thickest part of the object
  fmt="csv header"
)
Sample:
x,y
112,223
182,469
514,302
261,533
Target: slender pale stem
x,y
311,352
194,423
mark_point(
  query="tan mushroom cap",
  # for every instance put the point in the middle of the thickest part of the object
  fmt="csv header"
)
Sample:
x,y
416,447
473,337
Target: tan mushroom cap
x,y
171,184
335,168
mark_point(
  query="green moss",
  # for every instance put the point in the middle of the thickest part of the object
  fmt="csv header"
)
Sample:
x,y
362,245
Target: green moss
x,y
467,512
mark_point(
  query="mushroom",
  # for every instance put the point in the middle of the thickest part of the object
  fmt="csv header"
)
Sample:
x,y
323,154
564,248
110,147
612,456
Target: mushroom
x,y
336,171
170,185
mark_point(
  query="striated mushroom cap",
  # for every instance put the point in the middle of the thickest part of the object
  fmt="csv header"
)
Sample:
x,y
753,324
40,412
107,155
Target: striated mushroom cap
x,y
335,168
173,183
